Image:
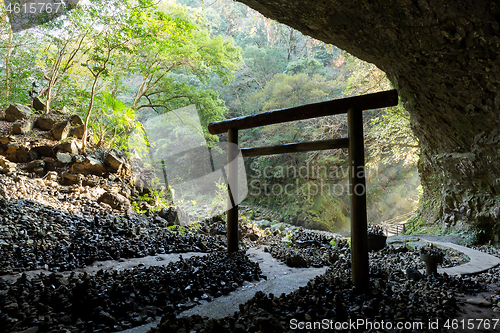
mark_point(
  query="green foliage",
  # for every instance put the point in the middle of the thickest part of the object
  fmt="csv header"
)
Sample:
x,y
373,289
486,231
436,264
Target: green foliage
x,y
286,90
363,77
219,203
189,49
264,63
113,122
391,138
308,66
156,198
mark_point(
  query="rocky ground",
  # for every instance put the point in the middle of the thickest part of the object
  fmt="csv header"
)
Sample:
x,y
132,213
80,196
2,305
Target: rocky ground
x,y
75,209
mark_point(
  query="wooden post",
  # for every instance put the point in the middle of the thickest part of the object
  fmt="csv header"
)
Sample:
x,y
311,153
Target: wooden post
x,y
359,239
232,202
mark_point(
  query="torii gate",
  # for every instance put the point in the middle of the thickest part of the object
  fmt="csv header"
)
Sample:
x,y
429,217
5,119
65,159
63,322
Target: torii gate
x,y
354,107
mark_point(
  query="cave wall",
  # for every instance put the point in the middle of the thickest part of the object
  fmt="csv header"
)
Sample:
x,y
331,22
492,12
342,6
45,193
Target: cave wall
x,y
443,57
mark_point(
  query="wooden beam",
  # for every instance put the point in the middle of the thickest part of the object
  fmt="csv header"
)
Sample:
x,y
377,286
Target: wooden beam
x,y
295,147
232,201
364,102
357,186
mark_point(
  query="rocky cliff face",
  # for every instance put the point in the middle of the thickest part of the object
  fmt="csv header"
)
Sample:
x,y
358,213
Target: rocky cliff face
x,y
444,58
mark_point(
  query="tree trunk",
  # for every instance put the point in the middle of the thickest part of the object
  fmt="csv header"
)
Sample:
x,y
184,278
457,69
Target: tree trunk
x,y
89,110
7,64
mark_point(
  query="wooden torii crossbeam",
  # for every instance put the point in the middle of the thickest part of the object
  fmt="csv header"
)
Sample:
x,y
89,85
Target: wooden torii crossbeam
x,y
354,107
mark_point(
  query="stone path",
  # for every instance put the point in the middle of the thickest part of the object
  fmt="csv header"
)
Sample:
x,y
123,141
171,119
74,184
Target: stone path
x,y
280,279
479,261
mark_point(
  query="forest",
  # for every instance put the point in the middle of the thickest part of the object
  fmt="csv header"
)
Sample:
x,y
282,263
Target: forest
x,y
121,63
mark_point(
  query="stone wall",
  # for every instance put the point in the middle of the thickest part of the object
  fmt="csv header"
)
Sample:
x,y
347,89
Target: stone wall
x,y
444,58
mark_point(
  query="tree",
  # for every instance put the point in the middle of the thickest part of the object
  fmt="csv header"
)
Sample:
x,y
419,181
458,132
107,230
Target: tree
x,y
114,121
66,42
120,26
286,90
391,138
189,49
18,69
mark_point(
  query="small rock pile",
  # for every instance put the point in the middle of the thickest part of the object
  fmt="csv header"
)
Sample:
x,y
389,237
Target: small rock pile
x,y
35,236
114,300
392,298
304,248
374,229
431,250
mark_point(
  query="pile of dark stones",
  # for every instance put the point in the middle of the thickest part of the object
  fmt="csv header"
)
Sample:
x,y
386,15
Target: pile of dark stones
x,y
374,229
110,301
35,236
305,248
330,299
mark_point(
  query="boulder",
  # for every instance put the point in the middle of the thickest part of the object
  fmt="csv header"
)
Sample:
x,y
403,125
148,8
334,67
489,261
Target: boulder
x,y
64,158
51,176
50,164
76,120
115,200
68,178
35,164
115,160
76,132
169,214
89,166
33,155
39,170
61,129
6,139
70,146
296,261
47,151
38,104
6,165
22,127
45,123
16,152
17,111
12,147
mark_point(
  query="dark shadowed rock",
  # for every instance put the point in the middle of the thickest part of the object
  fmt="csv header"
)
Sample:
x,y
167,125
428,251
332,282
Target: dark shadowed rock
x,y
115,160
68,178
22,127
115,200
70,146
17,111
77,132
45,123
169,214
76,120
35,164
38,105
50,163
60,131
89,166
46,151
